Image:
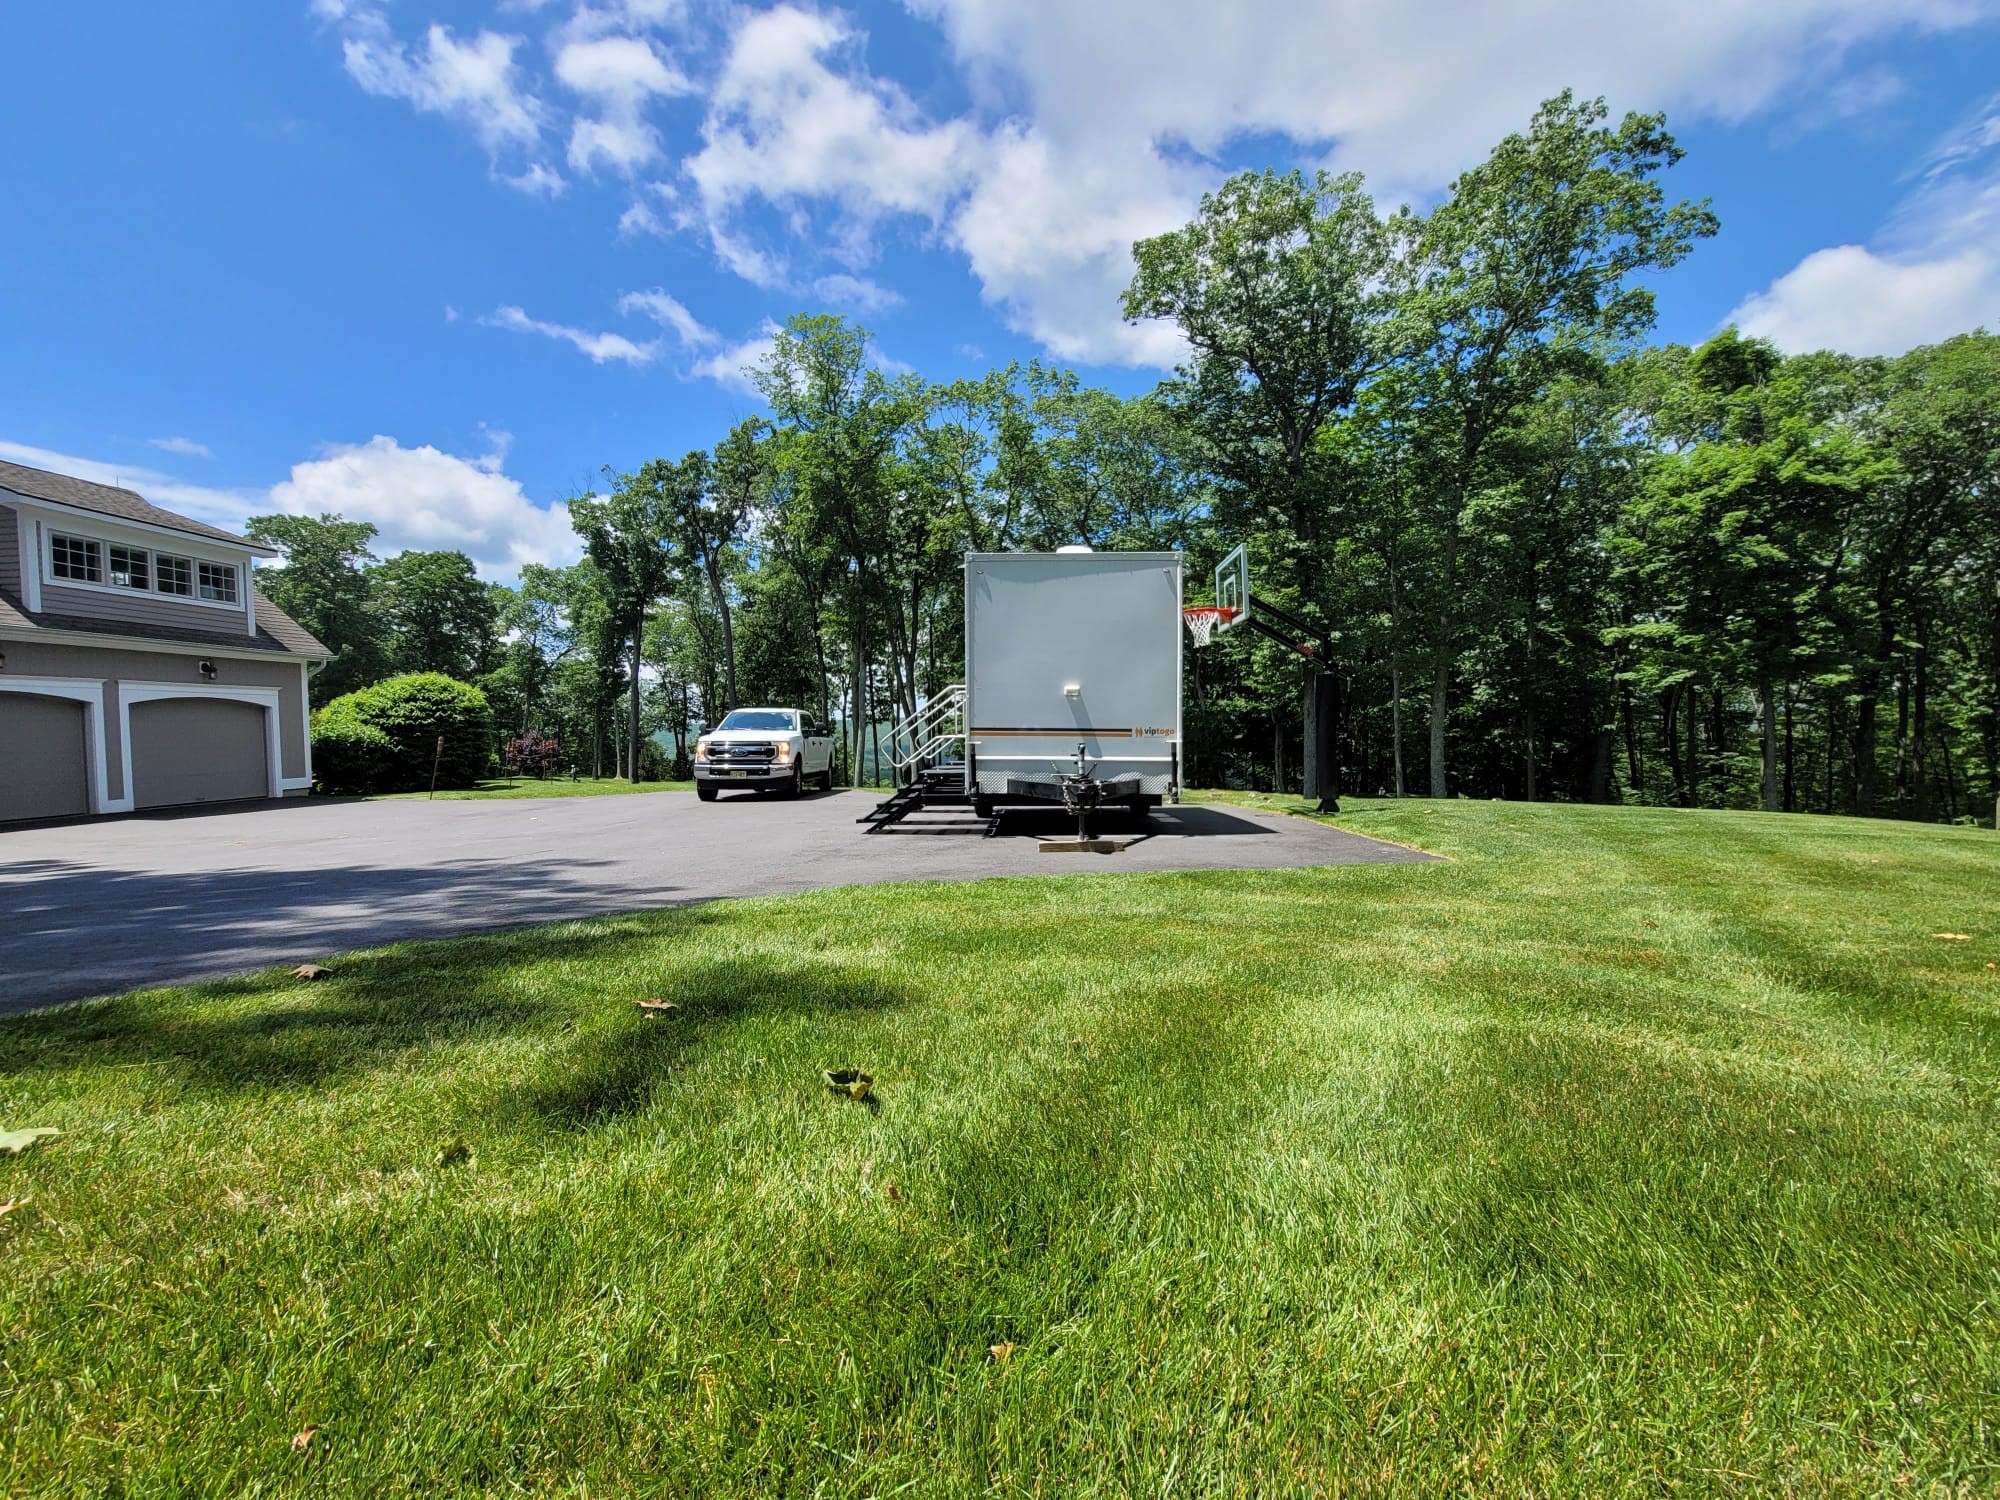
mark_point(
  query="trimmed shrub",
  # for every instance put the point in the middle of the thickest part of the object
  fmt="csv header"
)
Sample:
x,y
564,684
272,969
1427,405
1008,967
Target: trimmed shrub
x,y
412,713
348,756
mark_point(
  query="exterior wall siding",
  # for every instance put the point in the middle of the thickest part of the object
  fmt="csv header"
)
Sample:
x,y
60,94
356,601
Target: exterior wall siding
x,y
34,658
136,608
10,551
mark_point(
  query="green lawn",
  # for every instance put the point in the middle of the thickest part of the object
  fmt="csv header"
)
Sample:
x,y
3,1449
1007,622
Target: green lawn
x,y
527,786
1626,1152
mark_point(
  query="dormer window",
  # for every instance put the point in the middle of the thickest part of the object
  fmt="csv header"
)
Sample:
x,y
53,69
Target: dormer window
x,y
76,559
91,562
128,566
218,582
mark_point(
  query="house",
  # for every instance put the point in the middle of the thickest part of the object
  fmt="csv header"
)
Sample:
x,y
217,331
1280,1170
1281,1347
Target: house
x,y
139,666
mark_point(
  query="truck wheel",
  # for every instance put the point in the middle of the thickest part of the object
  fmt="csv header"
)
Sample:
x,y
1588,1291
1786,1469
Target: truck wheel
x,y
706,793
796,787
826,778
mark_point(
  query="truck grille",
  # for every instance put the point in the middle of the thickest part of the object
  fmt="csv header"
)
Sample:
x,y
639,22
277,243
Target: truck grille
x,y
747,754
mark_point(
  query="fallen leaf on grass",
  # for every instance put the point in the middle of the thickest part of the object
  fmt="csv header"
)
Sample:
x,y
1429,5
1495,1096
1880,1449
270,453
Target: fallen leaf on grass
x,y
14,1142
849,1081
311,971
1000,1352
303,1437
1954,937
657,1006
896,1193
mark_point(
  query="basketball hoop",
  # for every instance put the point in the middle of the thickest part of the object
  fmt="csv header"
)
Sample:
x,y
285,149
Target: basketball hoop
x,y
1203,620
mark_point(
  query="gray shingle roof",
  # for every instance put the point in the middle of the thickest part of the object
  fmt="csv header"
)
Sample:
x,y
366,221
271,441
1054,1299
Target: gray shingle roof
x,y
277,632
104,499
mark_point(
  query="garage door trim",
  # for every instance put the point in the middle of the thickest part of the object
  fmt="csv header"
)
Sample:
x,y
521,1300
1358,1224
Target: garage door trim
x,y
130,693
91,696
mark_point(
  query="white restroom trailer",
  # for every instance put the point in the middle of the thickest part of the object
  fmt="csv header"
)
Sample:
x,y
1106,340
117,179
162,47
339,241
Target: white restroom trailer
x,y
1066,649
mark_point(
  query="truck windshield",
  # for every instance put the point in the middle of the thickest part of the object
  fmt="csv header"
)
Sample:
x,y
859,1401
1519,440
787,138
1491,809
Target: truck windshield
x,y
760,718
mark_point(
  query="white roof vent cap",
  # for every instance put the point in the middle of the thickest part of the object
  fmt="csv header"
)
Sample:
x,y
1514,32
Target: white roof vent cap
x,y
1071,548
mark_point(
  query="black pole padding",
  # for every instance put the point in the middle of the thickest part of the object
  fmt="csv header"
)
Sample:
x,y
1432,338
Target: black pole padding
x,y
1322,718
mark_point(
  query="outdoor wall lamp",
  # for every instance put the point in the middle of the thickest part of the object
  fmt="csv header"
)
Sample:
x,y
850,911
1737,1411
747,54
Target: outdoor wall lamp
x,y
208,670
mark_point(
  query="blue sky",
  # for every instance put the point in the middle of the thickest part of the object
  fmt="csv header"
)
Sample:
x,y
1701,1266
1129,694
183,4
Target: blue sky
x,y
434,263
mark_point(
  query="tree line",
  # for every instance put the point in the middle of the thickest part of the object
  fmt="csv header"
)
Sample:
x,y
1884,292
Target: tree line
x,y
1557,561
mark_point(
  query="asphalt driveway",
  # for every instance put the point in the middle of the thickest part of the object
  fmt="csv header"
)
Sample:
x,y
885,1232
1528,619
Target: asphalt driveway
x,y
95,908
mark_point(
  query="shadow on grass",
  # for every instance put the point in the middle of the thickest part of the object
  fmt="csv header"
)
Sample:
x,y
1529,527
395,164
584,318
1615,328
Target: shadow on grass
x,y
622,1055
578,980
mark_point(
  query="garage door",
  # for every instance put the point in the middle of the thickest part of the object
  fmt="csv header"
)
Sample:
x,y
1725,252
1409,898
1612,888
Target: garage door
x,y
197,750
44,767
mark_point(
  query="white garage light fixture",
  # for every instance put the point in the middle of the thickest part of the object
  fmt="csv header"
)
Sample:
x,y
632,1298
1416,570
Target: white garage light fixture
x,y
207,669
1072,690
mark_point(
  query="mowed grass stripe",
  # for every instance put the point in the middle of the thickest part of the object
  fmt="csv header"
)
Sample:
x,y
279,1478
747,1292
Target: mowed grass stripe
x,y
1572,1166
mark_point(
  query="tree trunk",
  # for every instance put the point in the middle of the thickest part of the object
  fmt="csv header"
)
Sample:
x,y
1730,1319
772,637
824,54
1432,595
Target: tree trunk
x,y
721,595
1693,746
1670,740
1635,766
858,707
1865,738
1528,674
1441,663
1791,705
1396,720
1921,806
1767,730
638,645
1604,753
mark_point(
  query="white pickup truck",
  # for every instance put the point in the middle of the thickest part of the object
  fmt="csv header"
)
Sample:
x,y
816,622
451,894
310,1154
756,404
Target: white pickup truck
x,y
768,749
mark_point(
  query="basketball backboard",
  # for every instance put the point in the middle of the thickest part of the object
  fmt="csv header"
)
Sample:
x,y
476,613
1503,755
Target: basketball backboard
x,y
1232,589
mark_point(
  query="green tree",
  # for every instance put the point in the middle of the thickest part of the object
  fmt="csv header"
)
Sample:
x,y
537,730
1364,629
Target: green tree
x,y
325,587
439,616
627,533
1523,274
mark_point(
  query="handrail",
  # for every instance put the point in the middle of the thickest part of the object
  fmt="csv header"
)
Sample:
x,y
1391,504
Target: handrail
x,y
928,731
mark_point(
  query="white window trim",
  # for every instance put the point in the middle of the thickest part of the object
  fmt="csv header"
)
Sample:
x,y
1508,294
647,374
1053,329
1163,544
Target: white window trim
x,y
91,696
130,693
28,534
48,562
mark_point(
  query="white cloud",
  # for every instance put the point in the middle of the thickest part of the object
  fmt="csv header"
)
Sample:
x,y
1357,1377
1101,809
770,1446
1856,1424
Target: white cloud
x,y
622,70
785,127
476,82
1850,299
538,181
855,292
668,312
425,499
620,75
640,219
731,366
1932,272
418,498
186,447
1093,124
709,355
602,348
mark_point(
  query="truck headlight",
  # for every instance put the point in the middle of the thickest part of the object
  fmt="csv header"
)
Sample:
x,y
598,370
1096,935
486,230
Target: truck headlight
x,y
701,749
784,752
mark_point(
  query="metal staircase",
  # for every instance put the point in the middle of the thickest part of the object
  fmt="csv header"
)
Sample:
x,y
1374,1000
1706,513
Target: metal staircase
x,y
927,754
